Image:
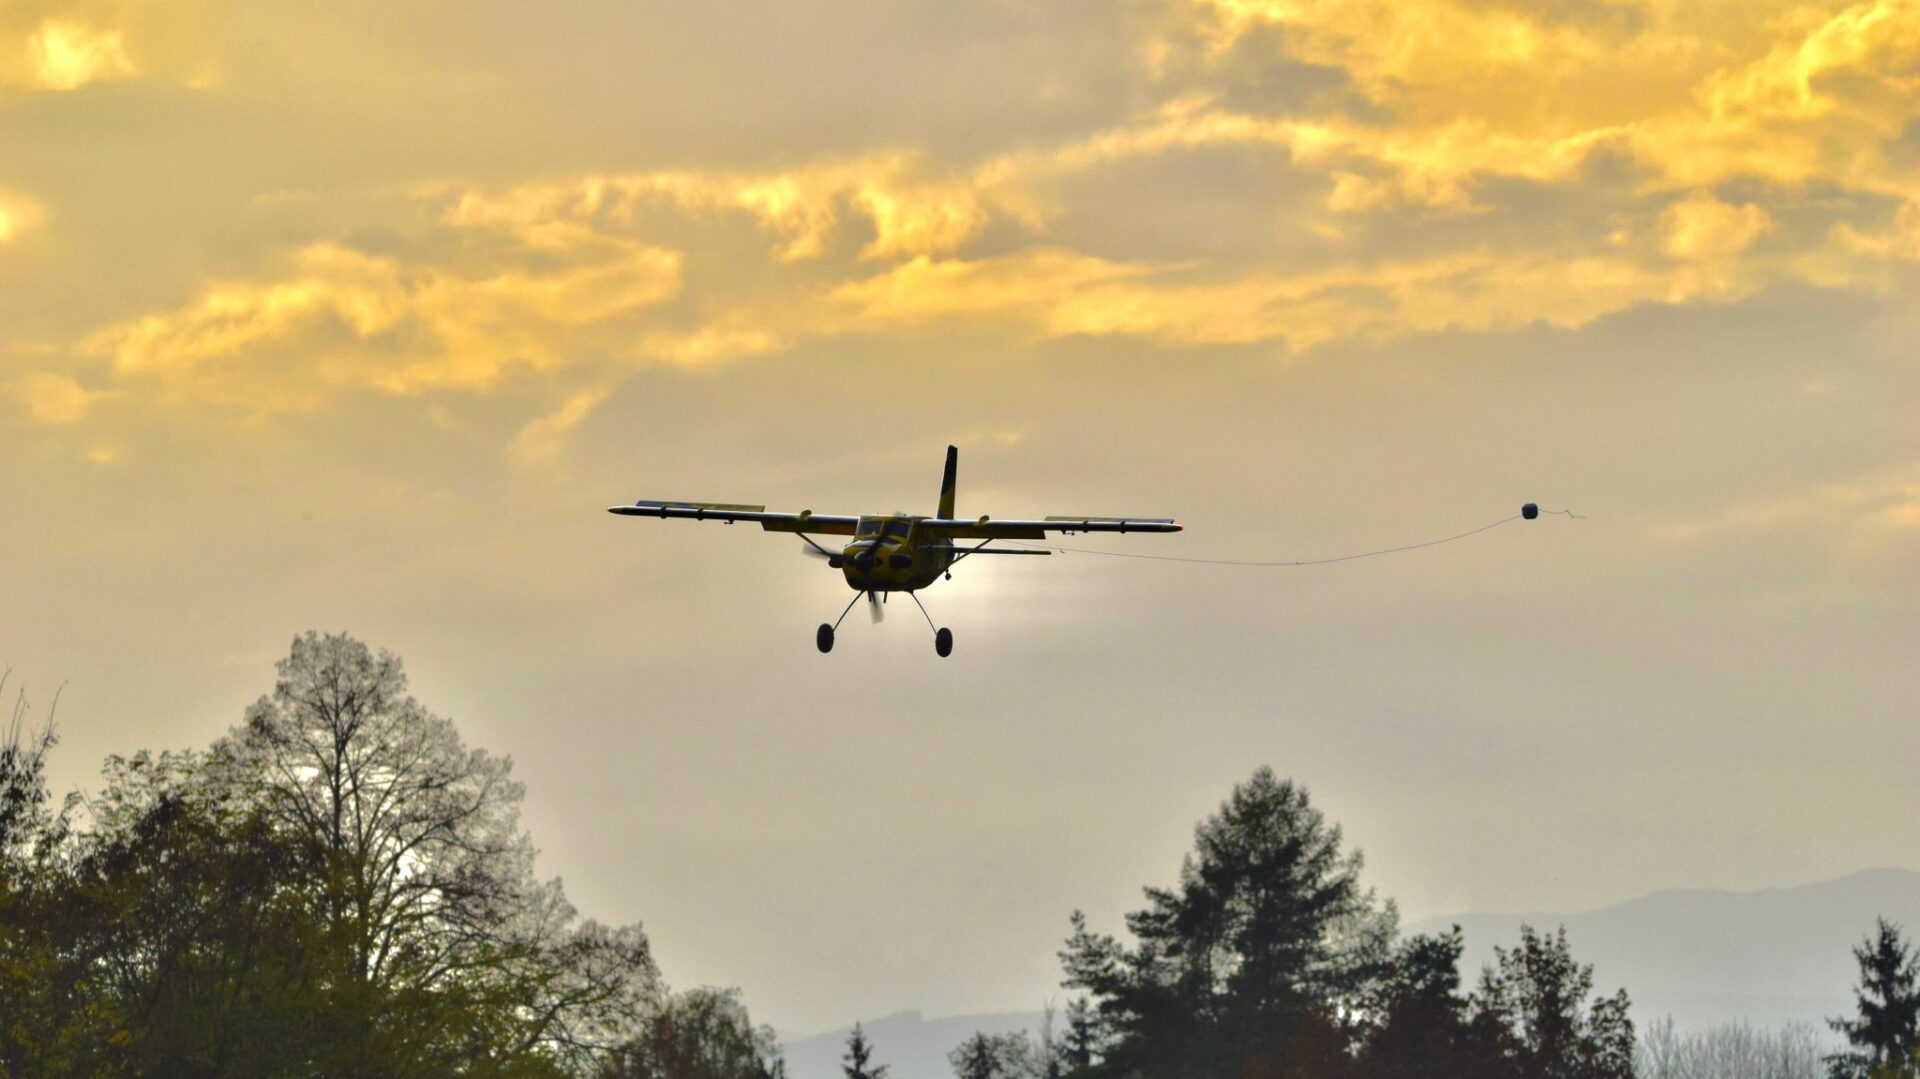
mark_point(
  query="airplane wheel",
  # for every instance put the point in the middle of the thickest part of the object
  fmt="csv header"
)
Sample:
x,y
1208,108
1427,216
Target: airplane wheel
x,y
943,642
824,638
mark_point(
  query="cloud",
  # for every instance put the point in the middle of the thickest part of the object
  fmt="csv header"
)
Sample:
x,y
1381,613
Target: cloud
x,y
800,207
1051,293
1702,226
1862,515
68,55
51,399
340,320
544,438
1460,167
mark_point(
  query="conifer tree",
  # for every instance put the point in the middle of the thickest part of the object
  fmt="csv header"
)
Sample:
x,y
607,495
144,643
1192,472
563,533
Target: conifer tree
x,y
1886,1034
857,1063
1252,964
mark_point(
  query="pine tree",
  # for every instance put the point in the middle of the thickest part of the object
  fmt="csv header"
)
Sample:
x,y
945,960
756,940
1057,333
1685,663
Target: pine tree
x,y
1886,1035
1253,962
857,1062
1082,1044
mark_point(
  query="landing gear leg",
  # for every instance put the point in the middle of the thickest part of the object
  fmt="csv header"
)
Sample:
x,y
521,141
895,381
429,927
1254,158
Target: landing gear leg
x,y
942,636
823,637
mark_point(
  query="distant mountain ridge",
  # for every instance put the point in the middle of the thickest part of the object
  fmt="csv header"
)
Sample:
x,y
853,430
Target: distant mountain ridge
x,y
1708,956
1702,956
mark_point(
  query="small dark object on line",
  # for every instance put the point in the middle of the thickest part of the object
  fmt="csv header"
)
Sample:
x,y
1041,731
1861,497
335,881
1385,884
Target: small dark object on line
x,y
1529,511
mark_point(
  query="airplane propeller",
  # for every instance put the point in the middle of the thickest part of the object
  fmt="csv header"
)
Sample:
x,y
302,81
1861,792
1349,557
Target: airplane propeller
x,y
875,609
811,551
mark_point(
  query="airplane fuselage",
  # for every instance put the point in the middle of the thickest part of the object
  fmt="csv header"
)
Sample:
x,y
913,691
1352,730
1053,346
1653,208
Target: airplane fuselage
x,y
888,555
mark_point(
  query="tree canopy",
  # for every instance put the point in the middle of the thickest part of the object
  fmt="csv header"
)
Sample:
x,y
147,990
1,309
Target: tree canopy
x,y
338,887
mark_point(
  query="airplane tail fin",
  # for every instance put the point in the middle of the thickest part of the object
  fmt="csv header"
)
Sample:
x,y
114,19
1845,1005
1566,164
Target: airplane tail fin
x,y
946,483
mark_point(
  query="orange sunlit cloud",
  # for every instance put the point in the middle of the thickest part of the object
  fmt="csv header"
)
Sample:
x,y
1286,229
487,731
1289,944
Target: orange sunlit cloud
x,y
1445,102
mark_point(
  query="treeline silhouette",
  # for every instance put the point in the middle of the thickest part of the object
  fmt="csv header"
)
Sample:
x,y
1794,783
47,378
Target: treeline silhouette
x,y
340,887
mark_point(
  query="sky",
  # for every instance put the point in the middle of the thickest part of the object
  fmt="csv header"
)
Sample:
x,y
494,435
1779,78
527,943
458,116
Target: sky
x,y
355,317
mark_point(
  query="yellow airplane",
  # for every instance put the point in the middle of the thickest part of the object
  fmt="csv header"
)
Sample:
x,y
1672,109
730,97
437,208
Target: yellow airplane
x,y
898,552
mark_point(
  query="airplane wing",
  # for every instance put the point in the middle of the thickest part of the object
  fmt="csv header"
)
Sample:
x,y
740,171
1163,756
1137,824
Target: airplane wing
x,y
988,528
729,512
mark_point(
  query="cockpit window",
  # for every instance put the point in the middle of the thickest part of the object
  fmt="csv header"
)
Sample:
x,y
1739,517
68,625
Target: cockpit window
x,y
870,526
897,529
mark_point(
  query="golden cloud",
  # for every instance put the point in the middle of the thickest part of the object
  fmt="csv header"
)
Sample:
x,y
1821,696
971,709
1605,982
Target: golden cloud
x,y
799,207
49,398
269,346
1702,227
543,439
1685,105
1873,511
1050,293
68,55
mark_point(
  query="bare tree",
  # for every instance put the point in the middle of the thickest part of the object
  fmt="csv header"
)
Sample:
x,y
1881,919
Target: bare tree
x,y
1729,1051
30,828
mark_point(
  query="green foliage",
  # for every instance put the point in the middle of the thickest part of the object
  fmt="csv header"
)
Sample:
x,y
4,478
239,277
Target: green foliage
x,y
339,887
1885,1034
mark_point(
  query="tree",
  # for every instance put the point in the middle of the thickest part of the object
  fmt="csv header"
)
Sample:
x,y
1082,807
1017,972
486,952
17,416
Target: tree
x,y
1729,1051
1253,963
1050,1052
996,1056
699,1034
36,1010
1080,1049
1885,1036
188,925
856,1064
426,895
340,887
1534,1001
1420,1020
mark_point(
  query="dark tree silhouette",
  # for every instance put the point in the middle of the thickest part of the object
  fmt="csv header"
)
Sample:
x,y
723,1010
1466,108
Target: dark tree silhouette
x,y
1080,1049
1422,1025
699,1034
1534,1001
339,888
995,1056
1252,964
1885,1034
857,1063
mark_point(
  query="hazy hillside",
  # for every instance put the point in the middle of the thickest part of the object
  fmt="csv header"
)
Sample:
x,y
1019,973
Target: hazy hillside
x,y
913,1046
1706,956
1703,956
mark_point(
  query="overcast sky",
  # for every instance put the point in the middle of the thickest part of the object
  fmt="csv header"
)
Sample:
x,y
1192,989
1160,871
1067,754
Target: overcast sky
x,y
355,317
